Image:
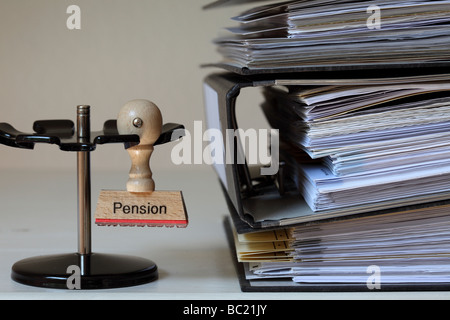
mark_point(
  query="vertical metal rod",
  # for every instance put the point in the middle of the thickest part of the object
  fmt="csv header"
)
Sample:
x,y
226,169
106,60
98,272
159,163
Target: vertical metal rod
x,y
84,184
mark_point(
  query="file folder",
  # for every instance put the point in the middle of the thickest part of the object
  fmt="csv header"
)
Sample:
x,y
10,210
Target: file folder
x,y
261,202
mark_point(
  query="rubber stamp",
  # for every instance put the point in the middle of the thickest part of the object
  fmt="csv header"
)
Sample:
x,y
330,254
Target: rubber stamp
x,y
141,204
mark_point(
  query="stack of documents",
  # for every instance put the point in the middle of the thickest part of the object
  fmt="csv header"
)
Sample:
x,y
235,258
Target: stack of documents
x,y
374,143
323,33
360,94
370,158
407,247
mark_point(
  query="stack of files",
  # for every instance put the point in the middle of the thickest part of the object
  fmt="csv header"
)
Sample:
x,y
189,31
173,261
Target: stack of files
x,y
374,144
375,157
306,34
362,199
409,249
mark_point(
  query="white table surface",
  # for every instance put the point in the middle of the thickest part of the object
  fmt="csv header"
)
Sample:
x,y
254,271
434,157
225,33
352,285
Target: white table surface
x,y
39,216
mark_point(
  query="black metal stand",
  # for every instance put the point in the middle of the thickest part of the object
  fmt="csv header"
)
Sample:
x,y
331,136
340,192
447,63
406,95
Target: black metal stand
x,y
95,270
98,271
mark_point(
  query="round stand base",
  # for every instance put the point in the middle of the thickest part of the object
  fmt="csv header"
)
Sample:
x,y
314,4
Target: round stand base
x,y
93,271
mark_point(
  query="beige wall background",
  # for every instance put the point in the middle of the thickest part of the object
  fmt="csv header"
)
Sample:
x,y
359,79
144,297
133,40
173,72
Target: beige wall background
x,y
126,49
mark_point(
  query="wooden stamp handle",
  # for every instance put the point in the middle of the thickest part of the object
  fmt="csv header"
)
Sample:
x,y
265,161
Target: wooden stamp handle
x,y
143,118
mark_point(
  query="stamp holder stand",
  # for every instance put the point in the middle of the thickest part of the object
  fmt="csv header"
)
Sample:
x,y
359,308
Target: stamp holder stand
x,y
97,270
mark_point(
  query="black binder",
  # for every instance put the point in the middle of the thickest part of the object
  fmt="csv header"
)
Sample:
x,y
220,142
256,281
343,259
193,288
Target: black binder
x,y
254,200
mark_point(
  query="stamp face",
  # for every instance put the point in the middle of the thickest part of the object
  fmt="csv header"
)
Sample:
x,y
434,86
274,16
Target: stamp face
x,y
158,208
